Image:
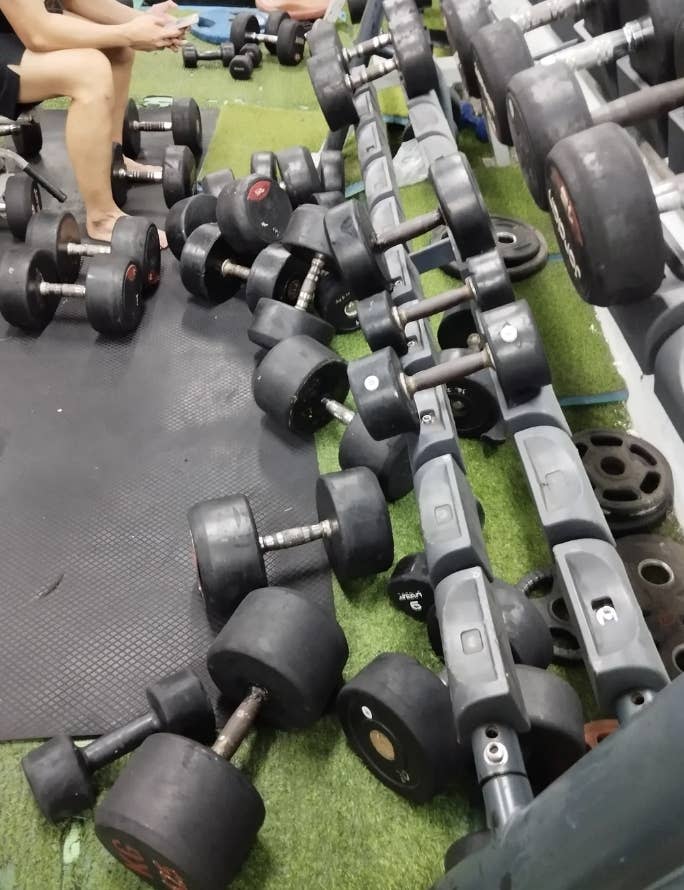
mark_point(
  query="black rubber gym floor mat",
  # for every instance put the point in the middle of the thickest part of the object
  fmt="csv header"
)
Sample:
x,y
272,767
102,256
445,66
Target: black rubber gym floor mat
x,y
104,445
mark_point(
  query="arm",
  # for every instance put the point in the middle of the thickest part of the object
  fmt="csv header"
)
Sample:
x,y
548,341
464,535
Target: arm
x,y
103,12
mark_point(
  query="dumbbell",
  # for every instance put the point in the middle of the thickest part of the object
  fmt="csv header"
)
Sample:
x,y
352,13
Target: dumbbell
x,y
303,181
225,53
323,39
60,773
353,524
286,41
177,175
181,815
275,321
210,271
384,324
537,125
302,385
500,51
21,198
185,127
133,239
335,86
30,291
189,213
358,248
512,347
606,215
26,134
252,213
244,63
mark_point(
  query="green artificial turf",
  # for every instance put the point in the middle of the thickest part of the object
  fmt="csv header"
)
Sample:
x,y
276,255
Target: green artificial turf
x,y
330,825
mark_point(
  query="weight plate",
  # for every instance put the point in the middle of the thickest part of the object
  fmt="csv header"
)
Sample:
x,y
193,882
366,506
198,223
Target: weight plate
x,y
412,49
462,205
328,79
200,265
179,173
21,303
243,24
252,213
298,173
53,231
131,140
462,22
351,236
119,181
631,479
517,242
22,201
290,43
185,216
323,39
137,239
28,142
186,125
114,303
518,272
540,587
273,22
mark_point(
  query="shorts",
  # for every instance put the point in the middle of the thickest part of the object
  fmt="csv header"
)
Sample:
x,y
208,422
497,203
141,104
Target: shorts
x,y
11,52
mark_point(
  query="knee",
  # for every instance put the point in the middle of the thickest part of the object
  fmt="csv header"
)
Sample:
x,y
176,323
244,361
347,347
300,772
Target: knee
x,y
92,77
120,57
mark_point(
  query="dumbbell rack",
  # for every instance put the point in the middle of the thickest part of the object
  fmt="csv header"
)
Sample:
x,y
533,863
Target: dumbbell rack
x,y
624,667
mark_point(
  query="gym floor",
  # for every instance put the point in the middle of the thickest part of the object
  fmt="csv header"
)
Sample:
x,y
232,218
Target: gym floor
x,y
329,824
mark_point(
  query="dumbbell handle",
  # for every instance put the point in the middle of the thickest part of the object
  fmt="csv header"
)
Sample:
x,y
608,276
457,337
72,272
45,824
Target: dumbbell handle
x,y
264,38
648,102
74,248
239,723
548,11
302,534
338,411
151,126
407,230
438,303
669,194
120,741
54,289
606,47
137,175
308,289
8,129
448,372
229,268
363,75
366,46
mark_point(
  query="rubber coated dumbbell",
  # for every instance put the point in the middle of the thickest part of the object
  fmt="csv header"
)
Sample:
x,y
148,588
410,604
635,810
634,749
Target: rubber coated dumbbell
x,y
616,253
133,239
251,213
183,816
26,134
21,199
185,127
225,53
244,63
189,213
358,248
512,347
384,324
274,321
501,52
177,175
286,42
537,124
60,773
304,182
30,291
335,86
353,524
302,385
210,271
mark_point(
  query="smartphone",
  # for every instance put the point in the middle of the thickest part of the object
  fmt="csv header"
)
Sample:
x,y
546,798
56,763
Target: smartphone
x,y
187,21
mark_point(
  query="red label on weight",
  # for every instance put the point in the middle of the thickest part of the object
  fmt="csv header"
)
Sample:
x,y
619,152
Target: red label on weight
x,y
132,272
132,858
170,877
259,190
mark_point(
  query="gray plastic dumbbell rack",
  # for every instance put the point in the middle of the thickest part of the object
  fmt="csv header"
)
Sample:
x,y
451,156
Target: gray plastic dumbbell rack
x,y
621,659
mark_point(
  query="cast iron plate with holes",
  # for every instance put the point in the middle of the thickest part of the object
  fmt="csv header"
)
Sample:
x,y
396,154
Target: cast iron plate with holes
x,y
655,566
630,477
539,585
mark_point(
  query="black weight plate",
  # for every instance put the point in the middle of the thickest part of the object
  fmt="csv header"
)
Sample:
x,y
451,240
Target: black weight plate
x,y
323,39
253,213
462,22
327,199
456,327
328,79
60,780
336,304
605,216
487,272
186,125
396,715
148,820
412,49
385,407
179,174
528,634
131,140
28,142
409,586
21,303
351,236
52,231
515,273
516,349
137,239
200,265
275,274
243,23
475,410
305,233
654,59
381,324
362,542
291,381
274,322
290,43
226,549
241,67
185,216
540,587
462,205
517,242
298,172
631,479
544,104
264,163
273,21
114,303
119,182
331,170
387,460
22,200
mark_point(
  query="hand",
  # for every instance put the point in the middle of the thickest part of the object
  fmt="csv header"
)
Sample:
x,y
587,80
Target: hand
x,y
162,9
150,32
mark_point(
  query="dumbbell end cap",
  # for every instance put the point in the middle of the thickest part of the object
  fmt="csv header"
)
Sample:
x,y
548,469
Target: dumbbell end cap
x,y
59,779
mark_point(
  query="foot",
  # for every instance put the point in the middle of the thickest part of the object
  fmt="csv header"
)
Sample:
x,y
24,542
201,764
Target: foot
x,y
100,227
136,166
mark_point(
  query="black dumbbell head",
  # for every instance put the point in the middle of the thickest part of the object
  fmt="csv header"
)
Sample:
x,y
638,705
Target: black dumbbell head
x,y
489,279
185,216
21,272
462,22
28,142
290,43
331,170
186,125
275,274
179,172
241,67
131,140
59,778
253,51
412,49
537,124
52,231
137,239
323,39
183,707
190,55
180,815
119,184
264,163
336,303
387,460
214,183
381,398
530,638
114,303
227,554
200,265
273,22
409,586
462,205
327,75
281,642
298,173
654,59
305,233
327,199
226,53
22,200
274,322
351,236
252,213
362,543
243,23
516,349
292,379
380,325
